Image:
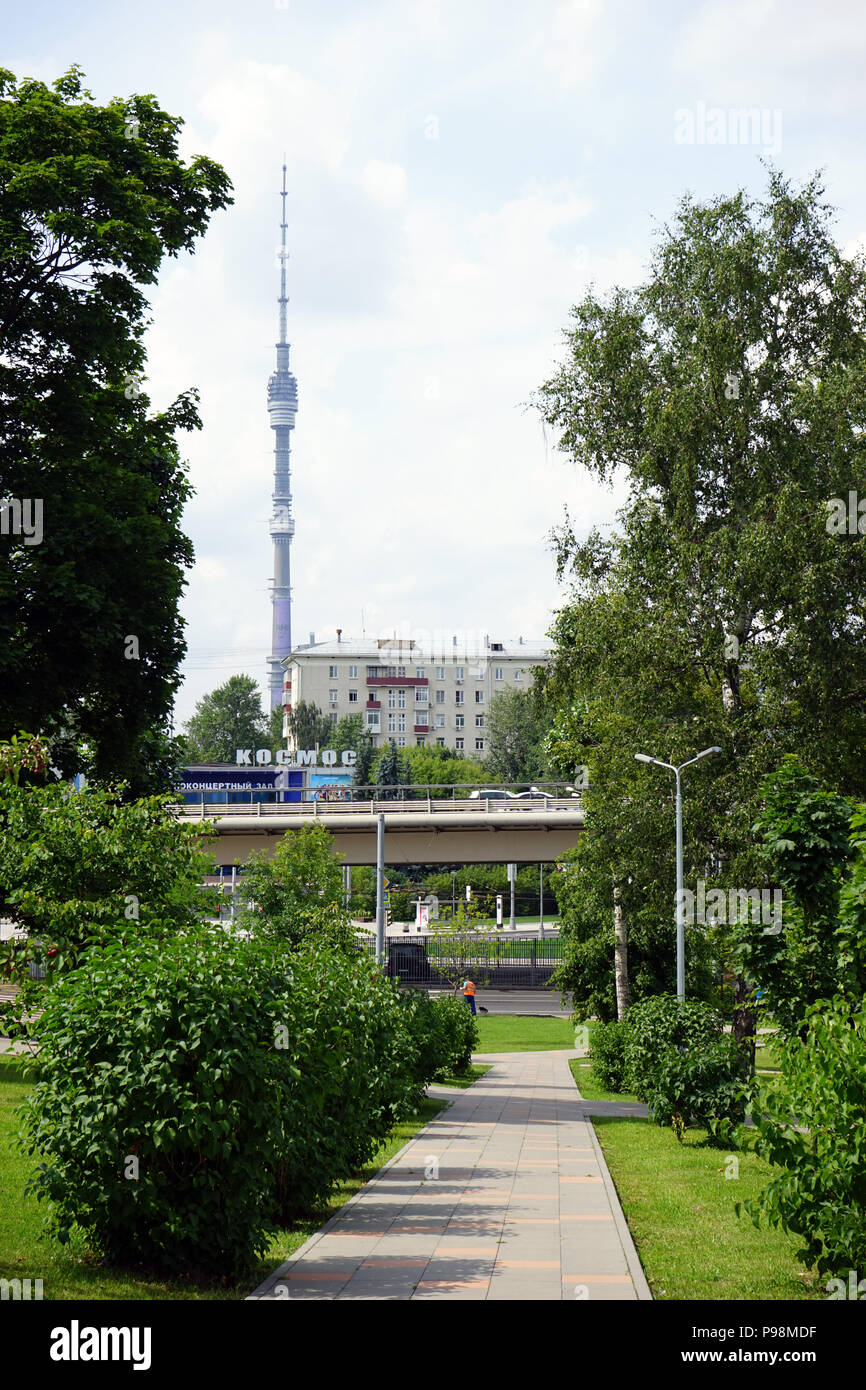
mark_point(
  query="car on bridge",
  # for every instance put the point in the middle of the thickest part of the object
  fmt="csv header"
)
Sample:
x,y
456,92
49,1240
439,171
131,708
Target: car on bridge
x,y
493,794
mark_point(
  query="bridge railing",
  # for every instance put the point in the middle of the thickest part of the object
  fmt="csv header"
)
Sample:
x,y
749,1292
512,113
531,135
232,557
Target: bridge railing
x,y
425,798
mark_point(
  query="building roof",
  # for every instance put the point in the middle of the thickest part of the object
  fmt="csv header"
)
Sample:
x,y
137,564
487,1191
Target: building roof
x,y
469,647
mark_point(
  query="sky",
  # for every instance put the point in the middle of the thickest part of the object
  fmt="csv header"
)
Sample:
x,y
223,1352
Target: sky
x,y
460,173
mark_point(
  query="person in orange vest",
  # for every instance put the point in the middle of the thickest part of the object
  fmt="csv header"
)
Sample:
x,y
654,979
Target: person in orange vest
x,y
469,993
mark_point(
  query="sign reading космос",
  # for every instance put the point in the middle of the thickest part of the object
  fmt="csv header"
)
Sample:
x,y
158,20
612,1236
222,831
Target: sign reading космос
x,y
301,757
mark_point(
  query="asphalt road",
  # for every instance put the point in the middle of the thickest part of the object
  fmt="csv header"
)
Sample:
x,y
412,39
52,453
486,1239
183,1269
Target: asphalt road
x,y
542,1002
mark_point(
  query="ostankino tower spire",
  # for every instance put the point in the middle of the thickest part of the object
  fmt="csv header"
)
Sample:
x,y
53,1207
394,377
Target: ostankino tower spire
x,y
282,407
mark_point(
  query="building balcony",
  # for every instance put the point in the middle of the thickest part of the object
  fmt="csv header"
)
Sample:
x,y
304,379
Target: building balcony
x,y
422,728
397,680
374,704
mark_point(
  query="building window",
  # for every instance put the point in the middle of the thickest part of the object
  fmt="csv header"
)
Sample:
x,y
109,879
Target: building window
x,y
392,699
420,742
458,744
373,719
401,743
392,723
459,721
440,697
479,745
421,697
401,699
499,673
333,718
479,697
401,723
353,673
333,696
420,672
479,721
440,673
333,672
440,721
401,670
353,697
459,672
480,673
518,674
421,716
440,743
458,697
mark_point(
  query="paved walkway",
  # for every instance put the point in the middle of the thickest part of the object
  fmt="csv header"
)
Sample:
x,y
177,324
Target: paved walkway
x,y
505,1195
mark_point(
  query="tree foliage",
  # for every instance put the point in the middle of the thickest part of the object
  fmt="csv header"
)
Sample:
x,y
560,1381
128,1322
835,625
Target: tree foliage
x,y
297,892
229,718
517,728
730,391
92,198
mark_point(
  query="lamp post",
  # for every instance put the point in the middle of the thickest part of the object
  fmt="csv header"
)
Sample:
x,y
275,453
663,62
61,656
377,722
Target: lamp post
x,y
681,907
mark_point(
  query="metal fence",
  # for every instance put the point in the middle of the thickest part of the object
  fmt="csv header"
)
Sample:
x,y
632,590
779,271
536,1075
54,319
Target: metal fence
x,y
492,964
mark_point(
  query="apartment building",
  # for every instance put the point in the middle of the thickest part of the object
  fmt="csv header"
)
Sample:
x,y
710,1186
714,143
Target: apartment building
x,y
415,693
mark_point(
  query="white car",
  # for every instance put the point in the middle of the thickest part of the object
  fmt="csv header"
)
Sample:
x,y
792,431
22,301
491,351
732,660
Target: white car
x,y
493,794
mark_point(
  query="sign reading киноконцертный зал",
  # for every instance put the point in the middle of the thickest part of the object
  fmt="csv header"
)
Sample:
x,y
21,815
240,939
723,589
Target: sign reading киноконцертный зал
x,y
301,757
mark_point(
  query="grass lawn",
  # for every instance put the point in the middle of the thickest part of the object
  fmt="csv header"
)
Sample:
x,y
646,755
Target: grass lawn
x,y
680,1210
588,1086
73,1273
464,1079
519,1033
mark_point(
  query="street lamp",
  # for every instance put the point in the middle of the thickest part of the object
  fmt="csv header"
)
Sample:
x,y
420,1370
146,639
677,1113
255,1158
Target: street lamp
x,y
681,907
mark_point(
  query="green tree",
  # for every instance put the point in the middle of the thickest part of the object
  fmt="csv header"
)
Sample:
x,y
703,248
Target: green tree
x,y
730,391
392,771
363,774
227,719
309,727
91,199
298,892
85,868
517,727
442,766
275,736
809,840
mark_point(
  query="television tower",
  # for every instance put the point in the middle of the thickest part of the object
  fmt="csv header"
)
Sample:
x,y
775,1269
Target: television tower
x,y
282,408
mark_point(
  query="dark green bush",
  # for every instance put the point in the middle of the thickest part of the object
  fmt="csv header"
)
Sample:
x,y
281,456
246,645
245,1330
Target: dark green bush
x,y
191,1095
157,1109
661,1024
461,1033
810,1126
698,1086
608,1054
443,1034
351,1056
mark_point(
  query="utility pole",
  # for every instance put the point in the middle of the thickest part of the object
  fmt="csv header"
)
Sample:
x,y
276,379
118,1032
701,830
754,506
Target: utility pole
x,y
541,900
380,888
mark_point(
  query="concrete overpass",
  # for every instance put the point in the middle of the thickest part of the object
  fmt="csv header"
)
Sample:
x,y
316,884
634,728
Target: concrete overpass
x,y
416,832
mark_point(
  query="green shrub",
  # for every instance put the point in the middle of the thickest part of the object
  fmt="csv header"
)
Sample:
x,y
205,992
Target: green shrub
x,y
608,1054
156,1110
698,1086
461,1033
660,1025
191,1096
812,1128
443,1034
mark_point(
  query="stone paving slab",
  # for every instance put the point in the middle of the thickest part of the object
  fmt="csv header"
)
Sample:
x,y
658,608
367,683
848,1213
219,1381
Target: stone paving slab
x,y
519,1206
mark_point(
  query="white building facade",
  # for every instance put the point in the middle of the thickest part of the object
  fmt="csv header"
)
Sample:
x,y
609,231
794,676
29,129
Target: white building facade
x,y
418,694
